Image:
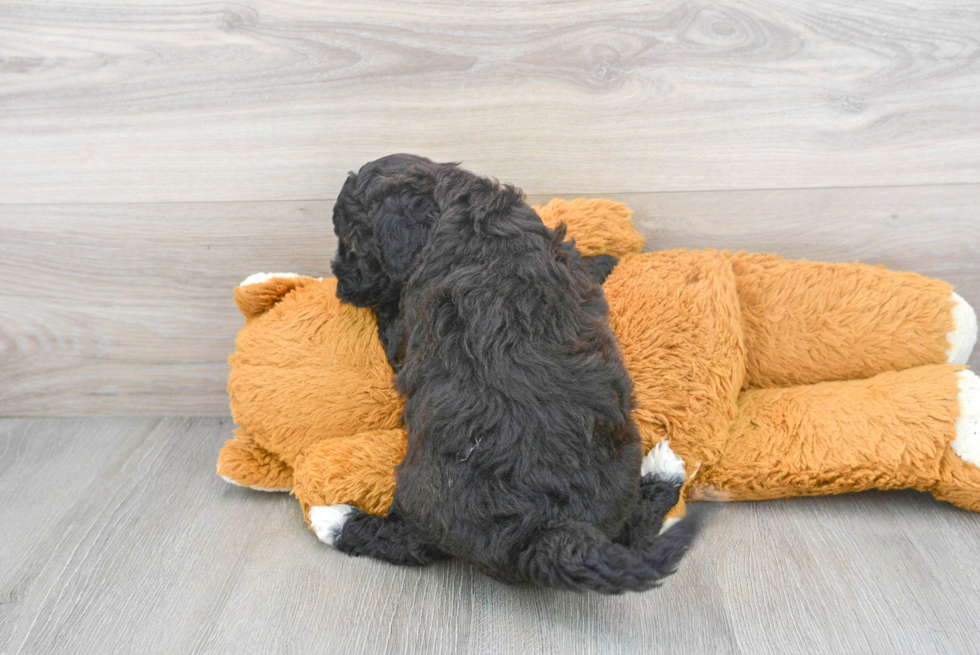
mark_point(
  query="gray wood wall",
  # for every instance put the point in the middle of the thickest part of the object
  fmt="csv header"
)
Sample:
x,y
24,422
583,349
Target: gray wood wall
x,y
153,154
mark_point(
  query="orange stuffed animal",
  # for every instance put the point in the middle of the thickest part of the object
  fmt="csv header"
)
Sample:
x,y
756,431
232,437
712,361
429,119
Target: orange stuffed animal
x,y
770,378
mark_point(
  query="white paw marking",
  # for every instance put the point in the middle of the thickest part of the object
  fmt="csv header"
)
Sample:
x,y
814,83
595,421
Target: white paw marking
x,y
963,337
967,442
662,462
249,486
259,278
668,524
328,520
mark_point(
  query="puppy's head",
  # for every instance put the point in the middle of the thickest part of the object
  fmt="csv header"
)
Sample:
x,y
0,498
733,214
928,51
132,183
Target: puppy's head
x,y
383,218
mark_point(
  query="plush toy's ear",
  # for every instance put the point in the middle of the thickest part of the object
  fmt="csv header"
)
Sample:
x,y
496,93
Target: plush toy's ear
x,y
598,225
257,293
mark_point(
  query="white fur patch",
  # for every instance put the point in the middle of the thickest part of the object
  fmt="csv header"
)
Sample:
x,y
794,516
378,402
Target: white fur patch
x,y
662,462
259,278
249,486
963,337
328,520
967,442
668,524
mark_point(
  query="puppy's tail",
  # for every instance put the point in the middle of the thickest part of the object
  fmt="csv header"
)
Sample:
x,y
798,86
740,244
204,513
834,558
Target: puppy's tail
x,y
579,557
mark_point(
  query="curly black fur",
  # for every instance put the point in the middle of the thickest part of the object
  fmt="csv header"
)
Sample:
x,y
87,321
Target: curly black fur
x,y
522,456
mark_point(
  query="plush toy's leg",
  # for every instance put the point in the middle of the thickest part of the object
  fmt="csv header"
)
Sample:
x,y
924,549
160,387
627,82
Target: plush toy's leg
x,y
351,531
660,490
356,470
808,322
898,430
245,463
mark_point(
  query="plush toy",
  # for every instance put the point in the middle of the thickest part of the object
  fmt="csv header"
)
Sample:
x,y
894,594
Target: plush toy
x,y
770,378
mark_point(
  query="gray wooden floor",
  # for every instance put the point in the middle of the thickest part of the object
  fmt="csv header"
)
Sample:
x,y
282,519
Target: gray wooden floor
x,y
117,537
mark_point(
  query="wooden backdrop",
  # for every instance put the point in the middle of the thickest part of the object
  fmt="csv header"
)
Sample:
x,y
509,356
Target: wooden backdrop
x,y
154,153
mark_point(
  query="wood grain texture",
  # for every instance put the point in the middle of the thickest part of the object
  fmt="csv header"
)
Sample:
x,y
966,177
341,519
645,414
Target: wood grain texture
x,y
127,309
177,100
118,537
123,309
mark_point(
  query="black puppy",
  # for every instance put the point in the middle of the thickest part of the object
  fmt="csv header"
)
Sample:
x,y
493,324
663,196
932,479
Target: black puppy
x,y
522,456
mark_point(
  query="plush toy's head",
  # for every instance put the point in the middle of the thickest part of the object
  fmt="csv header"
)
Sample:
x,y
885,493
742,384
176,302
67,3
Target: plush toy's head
x,y
308,368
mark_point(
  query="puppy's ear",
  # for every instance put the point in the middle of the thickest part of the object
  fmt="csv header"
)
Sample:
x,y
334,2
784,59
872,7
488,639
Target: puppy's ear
x,y
403,222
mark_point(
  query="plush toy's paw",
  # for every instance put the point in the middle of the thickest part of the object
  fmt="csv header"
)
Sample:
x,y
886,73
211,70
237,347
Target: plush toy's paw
x,y
967,443
963,336
254,486
661,462
244,463
328,520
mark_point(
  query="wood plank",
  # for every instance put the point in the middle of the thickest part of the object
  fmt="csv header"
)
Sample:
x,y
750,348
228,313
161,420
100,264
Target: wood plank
x,y
849,574
119,571
127,309
44,467
934,231
158,555
174,100
135,545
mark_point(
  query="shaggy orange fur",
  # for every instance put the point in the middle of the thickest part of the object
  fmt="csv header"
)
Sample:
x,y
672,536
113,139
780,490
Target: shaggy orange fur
x,y
771,378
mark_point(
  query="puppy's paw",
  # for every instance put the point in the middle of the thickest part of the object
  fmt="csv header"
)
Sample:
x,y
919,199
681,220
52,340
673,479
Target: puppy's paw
x,y
661,462
967,442
327,521
963,337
